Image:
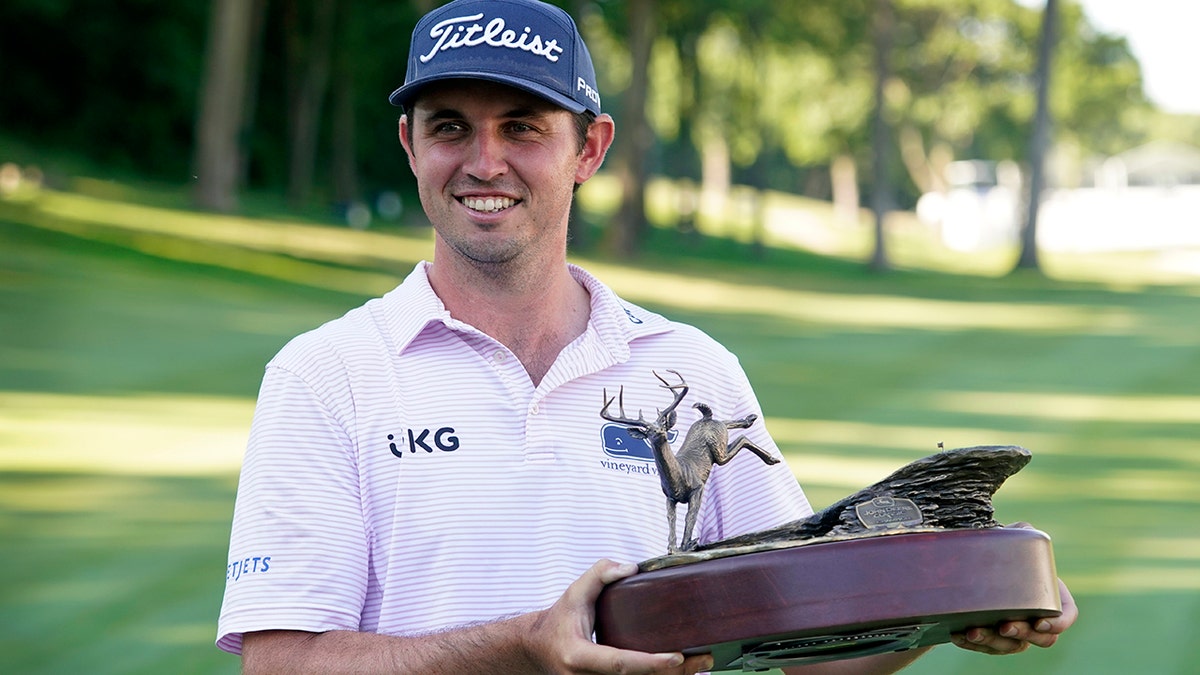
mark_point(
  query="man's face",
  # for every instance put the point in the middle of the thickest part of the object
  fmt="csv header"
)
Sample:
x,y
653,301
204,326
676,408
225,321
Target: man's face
x,y
496,168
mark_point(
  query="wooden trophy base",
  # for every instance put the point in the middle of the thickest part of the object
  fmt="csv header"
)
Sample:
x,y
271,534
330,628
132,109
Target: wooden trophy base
x,y
833,599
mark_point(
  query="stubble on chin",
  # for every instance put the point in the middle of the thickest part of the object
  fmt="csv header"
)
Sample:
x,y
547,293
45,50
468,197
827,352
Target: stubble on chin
x,y
502,257
491,260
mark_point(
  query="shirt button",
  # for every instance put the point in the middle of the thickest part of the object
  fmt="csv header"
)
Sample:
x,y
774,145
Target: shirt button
x,y
534,409
499,356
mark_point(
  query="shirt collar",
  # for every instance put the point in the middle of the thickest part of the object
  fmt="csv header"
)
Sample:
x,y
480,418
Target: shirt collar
x,y
412,306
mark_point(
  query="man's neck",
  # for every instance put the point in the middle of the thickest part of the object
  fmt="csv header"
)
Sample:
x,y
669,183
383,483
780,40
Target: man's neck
x,y
534,316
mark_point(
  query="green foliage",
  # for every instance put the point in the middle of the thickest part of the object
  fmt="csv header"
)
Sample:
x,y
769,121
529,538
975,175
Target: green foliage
x,y
371,46
113,80
1096,89
1175,128
785,87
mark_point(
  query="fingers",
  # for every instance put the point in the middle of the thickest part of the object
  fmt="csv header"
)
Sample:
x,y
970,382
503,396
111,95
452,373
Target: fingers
x,y
609,571
584,590
991,641
1013,637
640,663
1070,612
601,659
1010,637
1045,632
697,664
593,658
561,637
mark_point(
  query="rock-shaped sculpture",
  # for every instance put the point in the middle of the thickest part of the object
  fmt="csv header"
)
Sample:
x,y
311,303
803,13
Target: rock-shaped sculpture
x,y
949,490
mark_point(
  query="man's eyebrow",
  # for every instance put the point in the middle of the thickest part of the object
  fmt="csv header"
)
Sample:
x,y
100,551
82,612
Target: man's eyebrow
x,y
519,113
525,113
443,114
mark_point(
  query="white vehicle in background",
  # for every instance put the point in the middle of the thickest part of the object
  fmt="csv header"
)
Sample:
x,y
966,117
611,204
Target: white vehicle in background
x,y
979,209
1144,199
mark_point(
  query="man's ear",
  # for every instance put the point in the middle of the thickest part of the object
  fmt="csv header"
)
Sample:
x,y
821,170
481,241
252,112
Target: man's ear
x,y
599,139
405,139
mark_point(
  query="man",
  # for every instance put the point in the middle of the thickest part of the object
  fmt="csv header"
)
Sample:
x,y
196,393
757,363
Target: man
x,y
428,485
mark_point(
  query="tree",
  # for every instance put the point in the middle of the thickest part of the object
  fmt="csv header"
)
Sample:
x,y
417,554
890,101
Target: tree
x,y
1040,138
884,27
344,136
258,24
1097,100
309,32
219,123
964,85
637,136
737,87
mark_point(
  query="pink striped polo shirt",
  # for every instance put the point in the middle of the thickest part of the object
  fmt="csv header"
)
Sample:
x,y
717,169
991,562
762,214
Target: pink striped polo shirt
x,y
403,475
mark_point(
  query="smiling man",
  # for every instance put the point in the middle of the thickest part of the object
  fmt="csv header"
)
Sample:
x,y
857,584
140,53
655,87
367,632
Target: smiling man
x,y
428,484
496,167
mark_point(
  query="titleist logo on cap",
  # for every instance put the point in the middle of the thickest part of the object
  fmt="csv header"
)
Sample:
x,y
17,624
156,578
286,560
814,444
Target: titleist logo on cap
x,y
453,33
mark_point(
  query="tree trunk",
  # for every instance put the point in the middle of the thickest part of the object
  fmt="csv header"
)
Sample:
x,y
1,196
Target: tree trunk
x,y
843,184
219,124
715,179
884,27
758,208
344,159
1040,138
631,226
344,155
309,59
916,161
258,23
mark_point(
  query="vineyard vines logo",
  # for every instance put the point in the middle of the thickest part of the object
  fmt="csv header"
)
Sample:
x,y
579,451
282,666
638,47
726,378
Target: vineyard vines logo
x,y
629,455
620,444
451,34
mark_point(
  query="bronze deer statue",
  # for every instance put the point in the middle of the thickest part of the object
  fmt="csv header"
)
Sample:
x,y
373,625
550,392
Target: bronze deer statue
x,y
684,473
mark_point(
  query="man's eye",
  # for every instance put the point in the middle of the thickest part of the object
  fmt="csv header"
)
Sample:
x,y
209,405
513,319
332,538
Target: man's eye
x,y
448,128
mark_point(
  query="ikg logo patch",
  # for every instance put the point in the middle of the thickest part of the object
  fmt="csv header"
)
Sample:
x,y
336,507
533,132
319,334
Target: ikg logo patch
x,y
423,441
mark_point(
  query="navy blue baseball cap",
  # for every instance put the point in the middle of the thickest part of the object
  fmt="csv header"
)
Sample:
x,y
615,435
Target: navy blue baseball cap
x,y
523,43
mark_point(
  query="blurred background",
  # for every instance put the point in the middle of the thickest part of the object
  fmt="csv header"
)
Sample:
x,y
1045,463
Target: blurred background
x,y
964,222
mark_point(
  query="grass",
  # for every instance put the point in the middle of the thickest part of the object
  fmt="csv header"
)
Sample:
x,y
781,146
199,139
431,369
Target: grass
x,y
134,336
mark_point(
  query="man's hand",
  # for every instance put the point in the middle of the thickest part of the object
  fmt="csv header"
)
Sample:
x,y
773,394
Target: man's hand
x,y
1015,636
560,636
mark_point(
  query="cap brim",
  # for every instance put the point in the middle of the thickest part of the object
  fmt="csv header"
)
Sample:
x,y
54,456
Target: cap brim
x,y
405,95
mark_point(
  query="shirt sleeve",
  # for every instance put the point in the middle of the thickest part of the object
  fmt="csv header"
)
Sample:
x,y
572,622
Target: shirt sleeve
x,y
299,546
747,495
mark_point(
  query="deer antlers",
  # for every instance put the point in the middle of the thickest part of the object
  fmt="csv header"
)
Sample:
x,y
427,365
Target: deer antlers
x,y
666,418
683,473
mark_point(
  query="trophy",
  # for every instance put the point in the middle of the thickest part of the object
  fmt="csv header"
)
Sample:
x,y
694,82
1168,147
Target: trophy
x,y
898,565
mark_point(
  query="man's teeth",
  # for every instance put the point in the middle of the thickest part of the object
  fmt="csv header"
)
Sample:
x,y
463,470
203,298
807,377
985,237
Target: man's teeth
x,y
488,204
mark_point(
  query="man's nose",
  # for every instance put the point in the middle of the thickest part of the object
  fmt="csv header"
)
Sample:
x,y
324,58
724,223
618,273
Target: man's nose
x,y
486,159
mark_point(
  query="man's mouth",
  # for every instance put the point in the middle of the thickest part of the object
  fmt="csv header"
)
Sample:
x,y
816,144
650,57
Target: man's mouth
x,y
488,204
